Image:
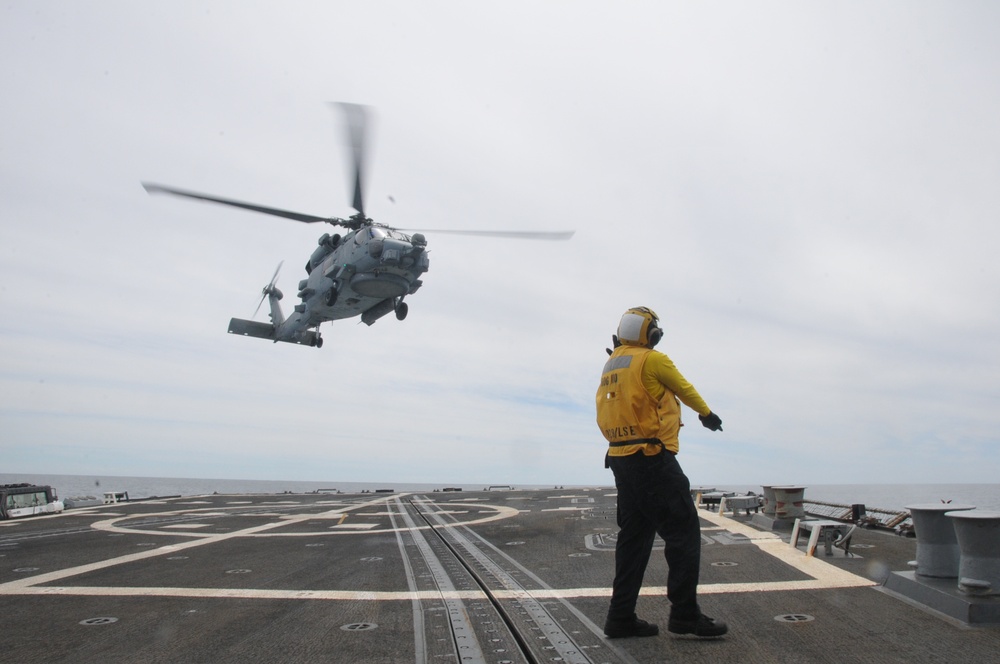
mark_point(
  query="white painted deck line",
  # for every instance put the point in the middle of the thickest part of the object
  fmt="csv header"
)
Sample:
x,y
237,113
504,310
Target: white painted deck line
x,y
824,575
397,596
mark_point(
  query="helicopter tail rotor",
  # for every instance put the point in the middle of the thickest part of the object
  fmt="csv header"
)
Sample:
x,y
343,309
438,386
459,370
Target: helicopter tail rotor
x,y
270,289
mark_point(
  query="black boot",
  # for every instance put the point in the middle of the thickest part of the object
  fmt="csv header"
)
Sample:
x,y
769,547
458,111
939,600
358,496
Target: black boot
x,y
634,626
700,626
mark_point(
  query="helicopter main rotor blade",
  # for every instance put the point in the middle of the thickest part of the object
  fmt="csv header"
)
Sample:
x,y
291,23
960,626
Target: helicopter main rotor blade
x,y
296,216
357,129
519,235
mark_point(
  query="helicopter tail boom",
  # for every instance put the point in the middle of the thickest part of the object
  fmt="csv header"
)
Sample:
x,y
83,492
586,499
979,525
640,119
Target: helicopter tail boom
x,y
250,328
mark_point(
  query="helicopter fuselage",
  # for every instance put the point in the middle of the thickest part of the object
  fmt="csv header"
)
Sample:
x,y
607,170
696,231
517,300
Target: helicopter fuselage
x,y
365,273
354,275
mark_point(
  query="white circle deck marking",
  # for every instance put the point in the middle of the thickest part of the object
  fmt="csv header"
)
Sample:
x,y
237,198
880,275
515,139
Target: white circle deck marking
x,y
485,514
821,575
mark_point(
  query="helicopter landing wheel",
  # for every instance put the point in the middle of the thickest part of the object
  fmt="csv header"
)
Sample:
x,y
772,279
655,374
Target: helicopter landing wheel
x,y
401,310
319,342
331,299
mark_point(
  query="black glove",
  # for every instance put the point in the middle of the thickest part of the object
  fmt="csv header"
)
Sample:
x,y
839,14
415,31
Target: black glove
x,y
615,342
711,421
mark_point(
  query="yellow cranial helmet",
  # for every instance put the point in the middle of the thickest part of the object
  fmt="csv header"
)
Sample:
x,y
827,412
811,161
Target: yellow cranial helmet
x,y
640,326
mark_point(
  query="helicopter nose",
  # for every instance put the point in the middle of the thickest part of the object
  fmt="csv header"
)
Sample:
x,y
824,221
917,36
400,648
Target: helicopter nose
x,y
397,252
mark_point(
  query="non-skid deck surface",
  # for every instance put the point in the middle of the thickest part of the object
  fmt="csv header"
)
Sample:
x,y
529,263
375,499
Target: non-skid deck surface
x,y
463,577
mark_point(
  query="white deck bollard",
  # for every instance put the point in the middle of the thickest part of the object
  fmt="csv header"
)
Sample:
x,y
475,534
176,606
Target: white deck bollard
x,y
937,547
768,500
978,534
788,502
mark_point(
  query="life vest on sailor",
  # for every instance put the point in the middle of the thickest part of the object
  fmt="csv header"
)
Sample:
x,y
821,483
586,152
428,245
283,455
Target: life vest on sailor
x,y
628,415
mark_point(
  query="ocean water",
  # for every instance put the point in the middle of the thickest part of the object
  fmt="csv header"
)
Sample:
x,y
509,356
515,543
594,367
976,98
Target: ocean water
x,y
79,486
895,496
885,496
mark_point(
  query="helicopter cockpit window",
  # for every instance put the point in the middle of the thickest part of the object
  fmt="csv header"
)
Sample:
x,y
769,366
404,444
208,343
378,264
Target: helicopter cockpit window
x,y
369,234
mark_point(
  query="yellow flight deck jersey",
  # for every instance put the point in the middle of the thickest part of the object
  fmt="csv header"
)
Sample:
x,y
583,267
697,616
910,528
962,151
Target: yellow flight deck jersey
x,y
638,400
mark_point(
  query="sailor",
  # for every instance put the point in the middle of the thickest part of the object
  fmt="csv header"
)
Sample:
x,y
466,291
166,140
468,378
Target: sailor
x,y
638,411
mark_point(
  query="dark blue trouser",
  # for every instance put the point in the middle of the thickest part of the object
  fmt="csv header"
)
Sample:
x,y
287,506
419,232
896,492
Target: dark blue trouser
x,y
654,497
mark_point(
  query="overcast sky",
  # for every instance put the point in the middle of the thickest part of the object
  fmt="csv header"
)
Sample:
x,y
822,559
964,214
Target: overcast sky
x,y
806,192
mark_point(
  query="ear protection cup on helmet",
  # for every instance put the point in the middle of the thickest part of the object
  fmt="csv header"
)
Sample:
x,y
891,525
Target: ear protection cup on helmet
x,y
654,333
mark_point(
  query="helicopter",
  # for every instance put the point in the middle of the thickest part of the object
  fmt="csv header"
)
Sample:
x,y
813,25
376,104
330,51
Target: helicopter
x,y
366,272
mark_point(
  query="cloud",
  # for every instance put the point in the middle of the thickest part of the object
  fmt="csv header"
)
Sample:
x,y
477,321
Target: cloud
x,y
804,193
